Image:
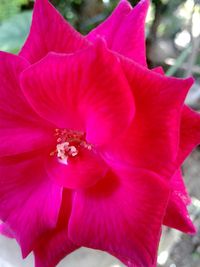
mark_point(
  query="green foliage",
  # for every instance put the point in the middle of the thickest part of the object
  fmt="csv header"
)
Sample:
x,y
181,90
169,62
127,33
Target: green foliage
x,y
179,61
69,9
9,8
170,23
13,32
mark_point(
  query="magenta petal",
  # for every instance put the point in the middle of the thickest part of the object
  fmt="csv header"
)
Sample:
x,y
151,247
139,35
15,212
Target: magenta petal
x,y
159,70
54,245
53,248
124,30
95,99
21,128
176,214
29,202
189,133
23,139
122,217
50,32
6,231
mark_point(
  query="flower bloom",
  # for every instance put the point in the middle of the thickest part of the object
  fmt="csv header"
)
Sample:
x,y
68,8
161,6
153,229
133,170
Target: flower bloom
x,y
92,141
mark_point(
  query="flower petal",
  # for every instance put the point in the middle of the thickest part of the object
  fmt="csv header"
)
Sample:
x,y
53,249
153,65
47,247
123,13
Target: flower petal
x,y
82,171
176,214
153,138
54,245
86,91
189,130
124,30
21,128
50,32
6,231
110,26
159,70
189,133
122,217
29,201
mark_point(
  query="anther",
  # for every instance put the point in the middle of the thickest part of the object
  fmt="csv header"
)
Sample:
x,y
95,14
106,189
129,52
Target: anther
x,y
69,144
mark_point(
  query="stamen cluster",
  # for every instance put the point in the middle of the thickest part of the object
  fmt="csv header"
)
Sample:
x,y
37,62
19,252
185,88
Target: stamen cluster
x,y
69,144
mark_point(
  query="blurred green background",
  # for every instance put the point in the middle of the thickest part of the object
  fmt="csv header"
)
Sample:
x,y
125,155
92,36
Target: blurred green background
x,y
173,28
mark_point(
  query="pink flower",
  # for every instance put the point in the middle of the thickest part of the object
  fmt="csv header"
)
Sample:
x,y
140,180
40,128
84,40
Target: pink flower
x,y
92,141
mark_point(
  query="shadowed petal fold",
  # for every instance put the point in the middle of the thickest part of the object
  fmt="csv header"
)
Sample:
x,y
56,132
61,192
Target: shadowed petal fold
x,y
54,245
50,32
111,216
124,30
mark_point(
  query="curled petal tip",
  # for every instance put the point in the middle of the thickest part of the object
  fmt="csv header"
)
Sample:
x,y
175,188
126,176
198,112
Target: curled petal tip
x,y
143,6
191,80
189,227
193,230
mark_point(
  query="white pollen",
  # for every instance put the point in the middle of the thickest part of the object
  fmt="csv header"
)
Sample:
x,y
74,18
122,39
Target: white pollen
x,y
69,144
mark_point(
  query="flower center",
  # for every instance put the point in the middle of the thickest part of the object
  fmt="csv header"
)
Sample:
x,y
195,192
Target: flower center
x,y
69,144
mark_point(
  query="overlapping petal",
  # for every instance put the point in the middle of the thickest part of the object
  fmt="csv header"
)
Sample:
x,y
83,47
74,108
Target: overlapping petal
x,y
29,200
50,32
124,30
86,91
122,215
176,214
153,138
81,172
54,245
111,25
189,133
21,128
